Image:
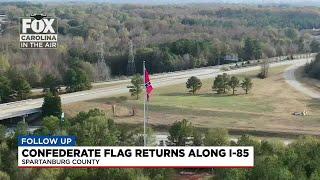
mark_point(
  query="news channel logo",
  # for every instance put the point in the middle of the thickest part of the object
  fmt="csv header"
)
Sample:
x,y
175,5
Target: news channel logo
x,y
38,32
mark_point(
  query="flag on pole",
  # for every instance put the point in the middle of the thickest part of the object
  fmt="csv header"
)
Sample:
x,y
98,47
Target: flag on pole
x,y
147,84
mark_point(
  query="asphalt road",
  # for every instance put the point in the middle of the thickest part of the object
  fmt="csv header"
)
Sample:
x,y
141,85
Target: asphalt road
x,y
19,108
290,79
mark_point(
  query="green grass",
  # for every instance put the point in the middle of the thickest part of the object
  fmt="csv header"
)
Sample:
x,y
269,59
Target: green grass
x,y
268,107
176,97
211,101
176,100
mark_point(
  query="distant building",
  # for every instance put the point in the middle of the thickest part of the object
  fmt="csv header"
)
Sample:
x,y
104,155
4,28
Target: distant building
x,y
231,58
3,19
314,29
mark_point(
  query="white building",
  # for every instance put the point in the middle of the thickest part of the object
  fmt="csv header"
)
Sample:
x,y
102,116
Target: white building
x,y
231,58
3,19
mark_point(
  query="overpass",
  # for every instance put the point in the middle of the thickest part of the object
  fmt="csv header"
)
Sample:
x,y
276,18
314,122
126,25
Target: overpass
x,y
19,109
31,106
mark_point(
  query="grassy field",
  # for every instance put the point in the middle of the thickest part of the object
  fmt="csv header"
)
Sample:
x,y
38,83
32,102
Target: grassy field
x,y
268,107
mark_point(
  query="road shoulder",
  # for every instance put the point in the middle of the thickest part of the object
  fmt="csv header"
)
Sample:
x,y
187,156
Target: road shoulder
x,y
311,83
290,77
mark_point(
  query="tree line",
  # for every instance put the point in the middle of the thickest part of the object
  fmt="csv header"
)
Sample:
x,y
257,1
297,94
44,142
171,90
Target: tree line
x,y
221,84
273,159
15,86
312,69
92,128
169,38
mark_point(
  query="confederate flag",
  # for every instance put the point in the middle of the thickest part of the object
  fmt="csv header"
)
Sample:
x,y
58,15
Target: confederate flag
x,y
147,84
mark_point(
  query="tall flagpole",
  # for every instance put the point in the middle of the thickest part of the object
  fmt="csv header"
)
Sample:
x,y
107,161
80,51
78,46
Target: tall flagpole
x,y
144,105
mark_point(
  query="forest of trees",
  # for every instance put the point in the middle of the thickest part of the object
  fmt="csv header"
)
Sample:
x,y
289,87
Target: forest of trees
x,y
92,128
94,39
312,69
94,45
273,159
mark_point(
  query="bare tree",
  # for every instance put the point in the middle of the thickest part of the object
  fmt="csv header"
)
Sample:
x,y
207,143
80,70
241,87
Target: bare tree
x,y
264,69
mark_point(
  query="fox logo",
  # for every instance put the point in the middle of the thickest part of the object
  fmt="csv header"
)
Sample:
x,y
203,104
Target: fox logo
x,y
38,24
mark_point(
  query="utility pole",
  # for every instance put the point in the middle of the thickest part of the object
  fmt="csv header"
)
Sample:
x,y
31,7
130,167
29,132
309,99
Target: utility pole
x,y
101,65
144,105
131,68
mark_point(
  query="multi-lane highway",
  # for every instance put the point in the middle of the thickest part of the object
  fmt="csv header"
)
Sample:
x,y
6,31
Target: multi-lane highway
x,y
30,106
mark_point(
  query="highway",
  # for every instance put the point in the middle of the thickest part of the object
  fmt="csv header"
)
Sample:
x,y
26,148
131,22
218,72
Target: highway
x,y
19,108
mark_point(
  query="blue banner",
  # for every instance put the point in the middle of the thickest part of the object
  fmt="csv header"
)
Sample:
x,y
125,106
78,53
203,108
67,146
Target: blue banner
x,y
46,140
